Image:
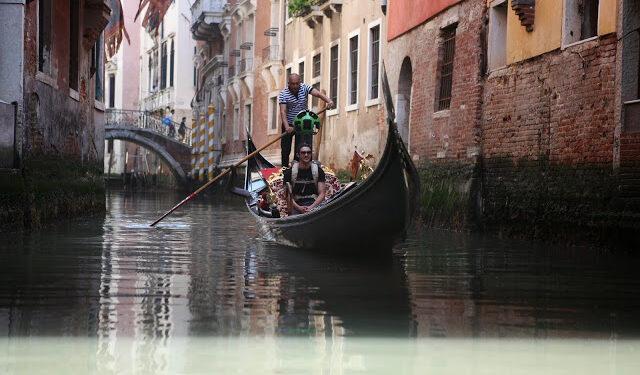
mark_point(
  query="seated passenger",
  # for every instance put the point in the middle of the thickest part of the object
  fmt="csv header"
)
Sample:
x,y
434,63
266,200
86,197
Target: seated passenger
x,y
307,181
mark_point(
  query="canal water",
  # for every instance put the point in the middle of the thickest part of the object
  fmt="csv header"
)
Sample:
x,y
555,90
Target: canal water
x,y
201,293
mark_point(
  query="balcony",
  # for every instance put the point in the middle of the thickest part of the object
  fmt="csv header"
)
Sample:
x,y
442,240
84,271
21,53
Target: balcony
x,y
212,65
206,16
328,7
158,100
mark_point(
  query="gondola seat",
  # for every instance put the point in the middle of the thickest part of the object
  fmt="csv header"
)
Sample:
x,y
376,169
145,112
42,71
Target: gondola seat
x,y
274,177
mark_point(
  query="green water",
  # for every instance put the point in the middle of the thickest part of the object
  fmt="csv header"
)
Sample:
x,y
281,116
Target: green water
x,y
201,293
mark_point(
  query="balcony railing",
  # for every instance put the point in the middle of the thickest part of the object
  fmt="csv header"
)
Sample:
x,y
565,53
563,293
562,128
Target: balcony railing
x,y
270,53
232,71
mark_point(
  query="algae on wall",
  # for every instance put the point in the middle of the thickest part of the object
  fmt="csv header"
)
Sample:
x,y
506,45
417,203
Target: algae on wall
x,y
448,195
45,190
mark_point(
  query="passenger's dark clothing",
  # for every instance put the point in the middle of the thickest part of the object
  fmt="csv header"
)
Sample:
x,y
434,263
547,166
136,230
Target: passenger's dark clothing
x,y
304,186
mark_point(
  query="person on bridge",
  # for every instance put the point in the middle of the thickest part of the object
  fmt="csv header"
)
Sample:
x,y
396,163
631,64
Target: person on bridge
x,y
305,182
182,129
292,100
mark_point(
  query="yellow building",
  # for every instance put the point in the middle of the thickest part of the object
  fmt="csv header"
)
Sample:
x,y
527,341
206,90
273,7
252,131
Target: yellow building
x,y
336,46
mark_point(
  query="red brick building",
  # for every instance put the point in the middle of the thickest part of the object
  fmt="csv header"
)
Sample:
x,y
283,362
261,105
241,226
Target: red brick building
x,y
514,114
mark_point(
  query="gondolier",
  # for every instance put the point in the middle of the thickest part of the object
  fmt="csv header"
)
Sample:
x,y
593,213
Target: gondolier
x,y
292,100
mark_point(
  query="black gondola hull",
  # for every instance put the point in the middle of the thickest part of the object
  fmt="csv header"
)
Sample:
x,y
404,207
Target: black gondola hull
x,y
375,213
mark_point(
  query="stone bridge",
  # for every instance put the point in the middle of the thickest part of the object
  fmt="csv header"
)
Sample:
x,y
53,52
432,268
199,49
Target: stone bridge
x,y
150,132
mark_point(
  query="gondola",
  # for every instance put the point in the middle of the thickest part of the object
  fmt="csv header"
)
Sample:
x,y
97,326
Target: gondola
x,y
373,213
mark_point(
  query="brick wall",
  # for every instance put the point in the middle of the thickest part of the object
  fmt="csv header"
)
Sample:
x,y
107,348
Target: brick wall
x,y
450,134
560,105
548,143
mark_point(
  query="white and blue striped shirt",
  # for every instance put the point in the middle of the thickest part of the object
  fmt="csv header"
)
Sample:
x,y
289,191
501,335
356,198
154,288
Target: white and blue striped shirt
x,y
295,103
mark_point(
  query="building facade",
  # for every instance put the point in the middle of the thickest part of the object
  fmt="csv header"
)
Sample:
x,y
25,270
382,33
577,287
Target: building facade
x,y
122,89
243,66
516,107
51,109
336,46
166,62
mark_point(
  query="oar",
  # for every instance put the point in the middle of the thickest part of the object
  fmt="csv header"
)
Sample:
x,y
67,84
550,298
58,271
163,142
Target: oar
x,y
220,175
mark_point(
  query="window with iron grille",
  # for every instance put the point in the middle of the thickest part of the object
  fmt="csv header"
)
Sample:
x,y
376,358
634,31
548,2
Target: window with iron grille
x,y
353,70
316,66
374,63
446,67
334,74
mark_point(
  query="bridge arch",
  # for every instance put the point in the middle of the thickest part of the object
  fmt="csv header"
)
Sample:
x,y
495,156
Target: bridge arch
x,y
147,141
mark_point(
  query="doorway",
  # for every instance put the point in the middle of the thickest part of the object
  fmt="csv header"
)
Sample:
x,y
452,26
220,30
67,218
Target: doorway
x,y
403,100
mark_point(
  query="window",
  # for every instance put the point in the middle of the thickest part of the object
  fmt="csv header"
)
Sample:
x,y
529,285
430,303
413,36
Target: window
x,y
447,50
314,100
171,63
195,71
273,114
374,62
44,36
97,68
498,36
316,66
301,70
150,72
74,39
333,85
112,90
353,71
581,20
288,74
163,66
154,68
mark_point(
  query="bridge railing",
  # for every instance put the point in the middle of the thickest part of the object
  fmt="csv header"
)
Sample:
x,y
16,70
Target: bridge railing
x,y
145,120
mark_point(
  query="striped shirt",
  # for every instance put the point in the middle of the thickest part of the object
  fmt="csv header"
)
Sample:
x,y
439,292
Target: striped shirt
x,y
294,103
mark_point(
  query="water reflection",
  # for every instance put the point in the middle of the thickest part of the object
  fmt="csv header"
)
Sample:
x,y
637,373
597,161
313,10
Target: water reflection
x,y
201,292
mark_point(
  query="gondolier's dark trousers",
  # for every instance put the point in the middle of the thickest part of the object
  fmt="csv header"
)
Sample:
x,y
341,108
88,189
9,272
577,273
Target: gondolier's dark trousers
x,y
285,145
